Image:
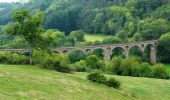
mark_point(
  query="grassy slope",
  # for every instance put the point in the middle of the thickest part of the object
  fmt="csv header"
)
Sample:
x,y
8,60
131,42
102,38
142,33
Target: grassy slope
x,y
143,88
26,82
93,38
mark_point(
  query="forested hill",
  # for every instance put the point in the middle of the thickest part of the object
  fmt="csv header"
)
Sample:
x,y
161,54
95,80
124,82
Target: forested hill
x,y
140,19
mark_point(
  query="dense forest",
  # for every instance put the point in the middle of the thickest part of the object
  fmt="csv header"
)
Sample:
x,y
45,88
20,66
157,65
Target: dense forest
x,y
147,19
67,20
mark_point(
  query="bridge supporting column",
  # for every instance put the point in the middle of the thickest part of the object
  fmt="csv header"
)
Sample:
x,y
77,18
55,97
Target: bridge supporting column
x,y
153,56
107,55
126,52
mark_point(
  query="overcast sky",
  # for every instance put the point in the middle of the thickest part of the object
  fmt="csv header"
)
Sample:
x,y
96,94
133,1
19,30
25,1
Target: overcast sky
x,y
8,0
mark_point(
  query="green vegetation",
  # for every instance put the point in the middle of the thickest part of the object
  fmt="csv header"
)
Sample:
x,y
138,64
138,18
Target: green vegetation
x,y
29,82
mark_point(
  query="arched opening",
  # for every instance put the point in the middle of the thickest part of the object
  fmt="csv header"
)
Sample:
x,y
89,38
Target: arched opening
x,y
76,56
136,51
26,54
118,51
56,52
99,52
147,52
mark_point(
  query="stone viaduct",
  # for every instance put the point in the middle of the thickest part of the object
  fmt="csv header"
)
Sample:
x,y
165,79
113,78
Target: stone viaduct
x,y
106,48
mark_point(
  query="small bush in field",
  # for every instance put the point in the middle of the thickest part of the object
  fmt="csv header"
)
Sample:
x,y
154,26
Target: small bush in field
x,y
97,77
112,82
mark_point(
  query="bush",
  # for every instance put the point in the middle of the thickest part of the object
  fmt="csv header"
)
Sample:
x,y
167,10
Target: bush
x,y
94,62
13,58
76,56
145,70
111,40
116,65
159,71
130,66
64,69
3,57
112,82
57,62
97,77
18,59
81,66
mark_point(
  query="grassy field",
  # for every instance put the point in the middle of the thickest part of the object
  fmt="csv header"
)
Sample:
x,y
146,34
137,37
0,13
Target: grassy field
x,y
30,82
93,38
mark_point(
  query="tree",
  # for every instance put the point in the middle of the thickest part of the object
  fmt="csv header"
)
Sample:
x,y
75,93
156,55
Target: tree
x,y
164,48
78,35
27,26
53,38
152,28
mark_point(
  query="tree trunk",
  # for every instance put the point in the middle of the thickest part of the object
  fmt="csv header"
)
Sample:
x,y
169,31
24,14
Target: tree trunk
x,y
31,58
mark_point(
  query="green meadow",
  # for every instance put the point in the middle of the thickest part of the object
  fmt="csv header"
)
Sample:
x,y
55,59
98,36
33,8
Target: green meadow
x,y
24,82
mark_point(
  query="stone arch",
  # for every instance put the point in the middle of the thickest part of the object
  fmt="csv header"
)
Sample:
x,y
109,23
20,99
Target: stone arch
x,y
99,52
118,51
150,53
76,55
56,51
76,49
135,50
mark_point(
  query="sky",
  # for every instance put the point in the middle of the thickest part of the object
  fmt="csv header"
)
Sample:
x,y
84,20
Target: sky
x,y
8,0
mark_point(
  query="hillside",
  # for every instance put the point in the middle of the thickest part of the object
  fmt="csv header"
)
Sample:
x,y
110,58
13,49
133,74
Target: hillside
x,y
28,82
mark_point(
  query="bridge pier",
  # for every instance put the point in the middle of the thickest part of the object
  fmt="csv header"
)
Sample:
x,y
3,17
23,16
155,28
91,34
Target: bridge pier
x,y
153,59
107,55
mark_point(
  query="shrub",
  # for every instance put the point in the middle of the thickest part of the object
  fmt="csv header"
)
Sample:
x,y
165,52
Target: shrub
x,y
145,70
3,57
76,56
80,66
64,69
159,71
57,62
130,66
111,40
94,62
18,59
112,82
116,65
97,77
13,58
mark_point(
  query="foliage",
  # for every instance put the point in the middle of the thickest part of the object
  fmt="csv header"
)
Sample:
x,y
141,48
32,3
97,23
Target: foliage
x,y
116,64
97,77
53,38
81,66
111,40
94,62
78,35
27,26
159,71
164,48
13,58
145,70
76,56
112,82
152,28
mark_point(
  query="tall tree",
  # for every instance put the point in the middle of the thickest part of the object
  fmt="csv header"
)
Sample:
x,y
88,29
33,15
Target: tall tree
x,y
27,26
